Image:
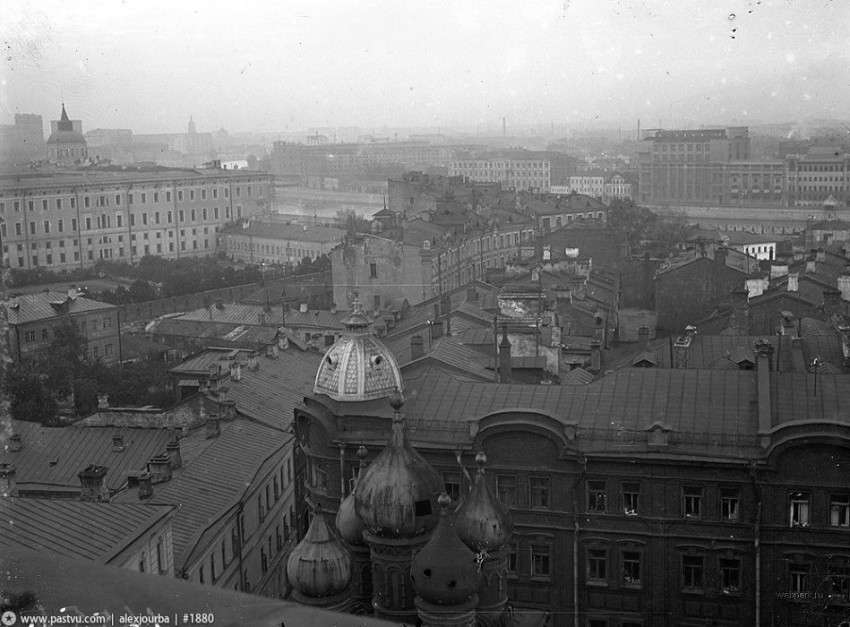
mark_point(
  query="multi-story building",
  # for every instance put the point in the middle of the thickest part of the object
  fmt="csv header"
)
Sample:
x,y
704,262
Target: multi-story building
x,y
754,183
728,506
63,219
34,318
513,170
22,141
683,166
272,242
66,144
818,176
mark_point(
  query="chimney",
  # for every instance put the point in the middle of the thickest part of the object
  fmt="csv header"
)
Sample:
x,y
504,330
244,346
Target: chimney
x,y
595,355
145,484
843,283
831,301
820,255
228,410
471,293
172,449
159,467
436,323
261,318
91,483
764,355
793,281
72,292
103,401
219,303
235,371
811,265
448,314
15,443
117,442
303,308
416,348
682,348
720,255
643,338
213,426
272,351
333,309
253,362
505,357
7,480
740,319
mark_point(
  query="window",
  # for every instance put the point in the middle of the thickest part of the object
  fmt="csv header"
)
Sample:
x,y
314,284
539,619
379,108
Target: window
x,y
201,574
597,565
142,563
373,270
692,572
45,334
631,568
596,496
799,514
540,560
631,499
264,561
730,504
839,578
29,336
506,489
730,576
212,566
451,481
512,558
798,578
539,492
60,226
692,502
261,511
168,196
839,510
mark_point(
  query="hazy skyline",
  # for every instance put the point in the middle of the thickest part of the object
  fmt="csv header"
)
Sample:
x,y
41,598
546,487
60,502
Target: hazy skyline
x,y
263,66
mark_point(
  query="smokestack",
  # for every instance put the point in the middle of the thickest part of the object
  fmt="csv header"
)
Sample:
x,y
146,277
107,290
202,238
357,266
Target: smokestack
x,y
145,484
505,357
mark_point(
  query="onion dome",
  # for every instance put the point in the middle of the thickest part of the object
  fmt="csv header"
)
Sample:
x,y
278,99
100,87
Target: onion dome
x,y
396,495
319,566
358,367
445,571
481,520
348,524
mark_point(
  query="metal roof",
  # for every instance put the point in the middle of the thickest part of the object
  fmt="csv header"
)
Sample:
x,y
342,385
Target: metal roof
x,y
46,305
91,531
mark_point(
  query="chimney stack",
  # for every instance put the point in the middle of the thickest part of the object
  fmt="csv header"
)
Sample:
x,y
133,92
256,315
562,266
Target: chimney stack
x,y
228,409
213,426
103,401
15,443
643,338
505,373
417,350
471,293
843,284
682,347
793,281
764,356
219,303
235,371
820,255
172,449
595,355
811,265
91,483
436,323
303,308
7,480
159,467
831,301
145,484
740,319
72,292
117,442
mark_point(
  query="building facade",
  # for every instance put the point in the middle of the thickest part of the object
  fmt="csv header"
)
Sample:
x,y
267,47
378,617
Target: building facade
x,y
34,318
68,219
272,242
513,172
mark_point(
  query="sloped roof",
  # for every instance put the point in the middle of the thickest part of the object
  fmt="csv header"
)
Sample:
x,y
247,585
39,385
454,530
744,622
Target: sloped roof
x,y
285,232
70,528
213,480
576,376
51,457
45,305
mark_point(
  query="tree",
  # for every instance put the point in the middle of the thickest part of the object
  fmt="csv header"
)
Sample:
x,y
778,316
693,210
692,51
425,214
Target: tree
x,y
28,399
351,222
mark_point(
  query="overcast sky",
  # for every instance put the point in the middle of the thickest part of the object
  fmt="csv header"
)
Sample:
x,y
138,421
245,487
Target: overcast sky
x,y
287,65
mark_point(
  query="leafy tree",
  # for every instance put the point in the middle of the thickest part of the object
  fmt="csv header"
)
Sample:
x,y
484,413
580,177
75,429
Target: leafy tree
x,y
29,400
351,222
141,291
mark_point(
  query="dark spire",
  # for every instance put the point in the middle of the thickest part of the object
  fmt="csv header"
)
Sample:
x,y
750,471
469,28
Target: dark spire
x,y
65,124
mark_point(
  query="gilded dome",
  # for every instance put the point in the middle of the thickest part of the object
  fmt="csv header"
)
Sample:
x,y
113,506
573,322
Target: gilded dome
x,y
445,571
396,496
319,566
358,367
481,520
